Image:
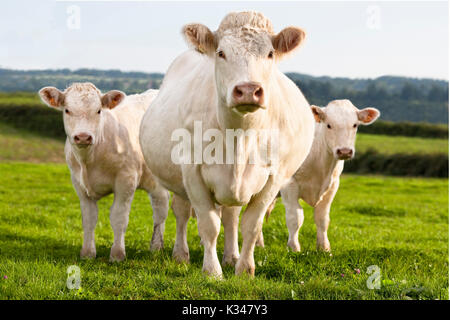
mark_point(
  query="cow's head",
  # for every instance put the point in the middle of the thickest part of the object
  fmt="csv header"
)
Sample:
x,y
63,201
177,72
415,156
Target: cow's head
x,y
82,105
338,122
245,52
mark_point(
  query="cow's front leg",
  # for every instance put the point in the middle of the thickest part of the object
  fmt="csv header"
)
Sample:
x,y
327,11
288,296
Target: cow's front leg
x,y
119,215
251,226
294,213
160,205
230,220
182,211
208,217
322,217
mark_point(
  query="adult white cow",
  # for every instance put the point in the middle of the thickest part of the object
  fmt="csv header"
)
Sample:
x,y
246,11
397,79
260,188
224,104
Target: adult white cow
x,y
317,180
104,156
228,82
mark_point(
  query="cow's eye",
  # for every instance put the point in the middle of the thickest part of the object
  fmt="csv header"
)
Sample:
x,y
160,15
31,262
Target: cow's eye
x,y
99,111
270,55
67,111
355,125
221,54
328,126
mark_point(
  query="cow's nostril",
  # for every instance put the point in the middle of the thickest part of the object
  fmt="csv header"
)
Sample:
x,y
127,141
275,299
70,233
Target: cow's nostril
x,y
259,93
237,92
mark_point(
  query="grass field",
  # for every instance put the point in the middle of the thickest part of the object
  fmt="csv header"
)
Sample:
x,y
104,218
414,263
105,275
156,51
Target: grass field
x,y
398,144
397,224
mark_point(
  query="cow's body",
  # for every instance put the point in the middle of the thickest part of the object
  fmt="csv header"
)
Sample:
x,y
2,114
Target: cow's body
x,y
192,92
111,163
317,180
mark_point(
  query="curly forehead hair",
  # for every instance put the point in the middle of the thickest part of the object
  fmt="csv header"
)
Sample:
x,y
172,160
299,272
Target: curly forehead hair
x,y
247,20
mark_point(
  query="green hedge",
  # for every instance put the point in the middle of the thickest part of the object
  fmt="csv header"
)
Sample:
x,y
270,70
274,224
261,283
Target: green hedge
x,y
425,165
408,129
33,117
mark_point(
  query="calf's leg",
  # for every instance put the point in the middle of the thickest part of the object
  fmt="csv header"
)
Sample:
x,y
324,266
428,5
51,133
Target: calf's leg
x,y
294,214
182,210
322,217
160,205
230,220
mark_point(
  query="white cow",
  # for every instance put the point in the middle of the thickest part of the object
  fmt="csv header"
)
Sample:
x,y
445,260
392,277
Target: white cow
x,y
317,180
104,156
229,81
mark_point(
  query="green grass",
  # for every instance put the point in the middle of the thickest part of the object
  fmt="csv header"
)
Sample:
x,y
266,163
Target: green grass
x,y
398,144
21,145
398,224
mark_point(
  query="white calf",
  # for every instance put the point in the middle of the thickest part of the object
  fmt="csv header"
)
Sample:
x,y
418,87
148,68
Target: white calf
x,y
104,156
317,180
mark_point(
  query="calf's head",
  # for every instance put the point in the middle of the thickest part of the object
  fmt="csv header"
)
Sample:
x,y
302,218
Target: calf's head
x,y
245,51
82,105
339,121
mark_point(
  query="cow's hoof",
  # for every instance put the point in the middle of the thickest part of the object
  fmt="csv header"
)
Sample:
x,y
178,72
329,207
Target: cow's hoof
x,y
325,247
260,241
230,260
180,256
245,268
294,245
88,253
157,243
117,254
213,271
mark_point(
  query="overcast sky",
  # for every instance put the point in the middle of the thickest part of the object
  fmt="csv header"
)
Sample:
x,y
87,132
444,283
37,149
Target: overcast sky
x,y
344,39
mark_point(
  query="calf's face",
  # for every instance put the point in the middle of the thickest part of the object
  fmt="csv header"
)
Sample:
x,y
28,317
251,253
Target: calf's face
x,y
82,106
244,60
340,120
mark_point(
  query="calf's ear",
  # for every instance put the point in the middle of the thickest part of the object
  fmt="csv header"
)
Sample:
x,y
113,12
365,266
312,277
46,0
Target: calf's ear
x,y
200,37
52,97
368,115
318,113
288,39
112,98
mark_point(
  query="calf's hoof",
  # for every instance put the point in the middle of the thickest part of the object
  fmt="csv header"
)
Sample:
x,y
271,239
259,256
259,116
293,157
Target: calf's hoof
x,y
117,254
230,260
294,245
88,253
213,271
245,268
180,256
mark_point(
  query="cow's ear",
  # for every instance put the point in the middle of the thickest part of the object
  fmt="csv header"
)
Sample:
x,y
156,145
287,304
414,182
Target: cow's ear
x,y
112,98
368,115
52,97
200,37
318,113
288,39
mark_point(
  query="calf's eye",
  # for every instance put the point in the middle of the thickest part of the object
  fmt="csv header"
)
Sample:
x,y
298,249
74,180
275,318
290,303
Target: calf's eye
x,y
355,125
221,54
67,111
270,56
328,126
99,111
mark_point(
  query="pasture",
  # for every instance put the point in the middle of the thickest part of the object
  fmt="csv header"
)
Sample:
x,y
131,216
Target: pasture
x,y
397,224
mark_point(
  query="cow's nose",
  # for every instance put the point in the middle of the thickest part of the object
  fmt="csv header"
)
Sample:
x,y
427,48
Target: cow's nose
x,y
248,93
83,138
344,153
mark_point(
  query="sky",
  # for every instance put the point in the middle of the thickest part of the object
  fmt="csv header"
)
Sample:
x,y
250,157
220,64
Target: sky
x,y
344,39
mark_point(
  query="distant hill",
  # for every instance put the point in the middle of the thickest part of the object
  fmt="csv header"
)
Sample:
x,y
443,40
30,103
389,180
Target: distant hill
x,y
398,98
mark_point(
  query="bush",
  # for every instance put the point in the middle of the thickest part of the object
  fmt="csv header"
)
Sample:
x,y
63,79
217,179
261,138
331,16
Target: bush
x,y
33,117
409,129
426,165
